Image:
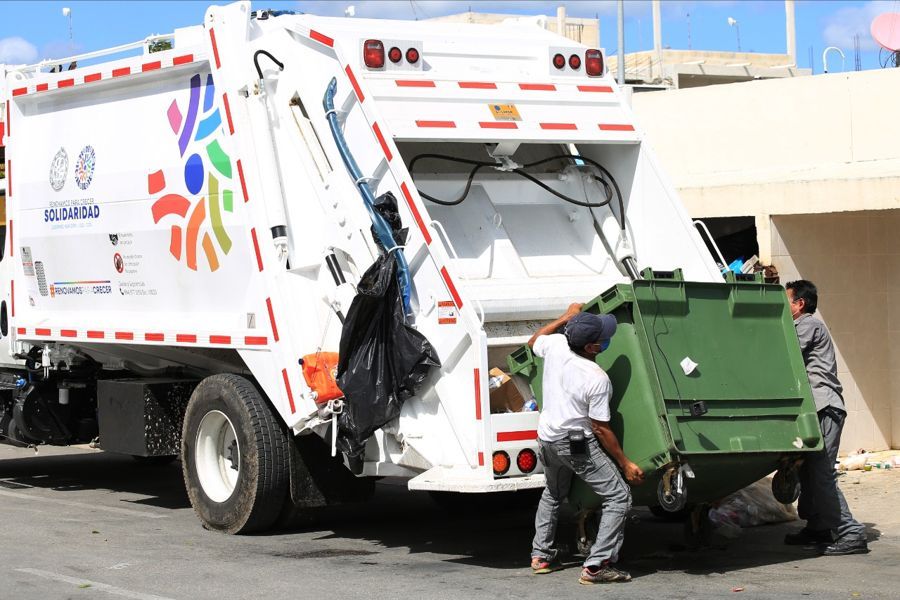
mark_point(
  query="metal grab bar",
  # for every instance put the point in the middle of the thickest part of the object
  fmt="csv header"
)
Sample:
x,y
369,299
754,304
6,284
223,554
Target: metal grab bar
x,y
704,230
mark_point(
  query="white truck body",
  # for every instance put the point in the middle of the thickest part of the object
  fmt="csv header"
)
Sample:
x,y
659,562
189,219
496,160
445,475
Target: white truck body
x,y
142,193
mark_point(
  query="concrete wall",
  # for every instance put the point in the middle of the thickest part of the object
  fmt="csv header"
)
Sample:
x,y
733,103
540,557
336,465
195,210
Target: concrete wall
x,y
854,260
816,161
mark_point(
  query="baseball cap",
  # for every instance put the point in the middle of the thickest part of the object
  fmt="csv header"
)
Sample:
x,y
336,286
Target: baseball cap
x,y
588,328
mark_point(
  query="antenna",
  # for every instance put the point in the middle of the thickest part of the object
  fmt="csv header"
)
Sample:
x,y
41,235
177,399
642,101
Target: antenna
x,y
688,15
732,22
857,59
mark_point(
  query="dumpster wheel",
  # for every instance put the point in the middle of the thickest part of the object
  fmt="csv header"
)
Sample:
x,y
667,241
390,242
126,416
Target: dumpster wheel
x,y
786,482
671,492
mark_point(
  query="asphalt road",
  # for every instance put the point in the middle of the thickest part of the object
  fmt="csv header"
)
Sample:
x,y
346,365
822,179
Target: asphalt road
x,y
84,524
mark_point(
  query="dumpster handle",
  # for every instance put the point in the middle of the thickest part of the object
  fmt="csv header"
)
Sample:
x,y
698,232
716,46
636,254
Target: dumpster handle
x,y
701,226
446,239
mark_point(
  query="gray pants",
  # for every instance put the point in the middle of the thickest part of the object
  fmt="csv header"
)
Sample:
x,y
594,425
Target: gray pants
x,y
607,482
821,502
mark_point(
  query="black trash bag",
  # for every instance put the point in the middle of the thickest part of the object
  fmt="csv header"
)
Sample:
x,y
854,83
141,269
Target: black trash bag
x,y
382,360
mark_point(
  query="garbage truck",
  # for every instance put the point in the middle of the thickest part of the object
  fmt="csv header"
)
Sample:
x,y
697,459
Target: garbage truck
x,y
291,249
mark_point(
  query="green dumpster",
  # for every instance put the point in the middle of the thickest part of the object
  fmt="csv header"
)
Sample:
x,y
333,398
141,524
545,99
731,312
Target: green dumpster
x,y
700,432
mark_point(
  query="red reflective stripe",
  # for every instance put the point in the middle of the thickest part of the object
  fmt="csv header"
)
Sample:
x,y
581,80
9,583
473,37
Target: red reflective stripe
x,y
272,319
241,177
121,72
65,83
220,339
355,85
322,39
414,83
228,113
11,237
252,340
497,125
187,338
96,335
256,248
451,287
21,331
477,85
212,39
481,459
595,88
12,297
477,394
8,120
124,335
616,127
383,142
559,126
183,60
42,87
41,332
287,386
415,213
154,337
151,66
68,333
440,124
20,91
538,87
9,186
92,77
517,436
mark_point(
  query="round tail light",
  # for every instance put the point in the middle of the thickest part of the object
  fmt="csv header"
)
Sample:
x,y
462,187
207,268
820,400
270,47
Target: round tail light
x,y
527,460
559,61
501,462
412,56
395,54
575,62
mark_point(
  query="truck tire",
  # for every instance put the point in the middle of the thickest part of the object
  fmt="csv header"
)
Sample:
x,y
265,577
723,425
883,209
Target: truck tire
x,y
234,456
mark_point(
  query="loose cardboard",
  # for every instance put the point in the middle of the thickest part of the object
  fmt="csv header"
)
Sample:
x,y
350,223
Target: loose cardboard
x,y
507,397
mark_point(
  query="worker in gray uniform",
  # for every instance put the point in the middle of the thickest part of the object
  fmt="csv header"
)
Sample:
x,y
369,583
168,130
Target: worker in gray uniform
x,y
576,440
829,523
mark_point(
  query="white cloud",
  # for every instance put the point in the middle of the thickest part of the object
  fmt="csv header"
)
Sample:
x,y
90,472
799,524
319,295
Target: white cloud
x,y
843,24
424,9
16,50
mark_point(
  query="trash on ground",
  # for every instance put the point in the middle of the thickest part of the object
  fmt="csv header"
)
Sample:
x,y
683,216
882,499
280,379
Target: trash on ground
x,y
754,505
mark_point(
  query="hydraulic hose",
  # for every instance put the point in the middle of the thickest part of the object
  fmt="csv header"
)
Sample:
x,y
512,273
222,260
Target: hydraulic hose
x,y
380,226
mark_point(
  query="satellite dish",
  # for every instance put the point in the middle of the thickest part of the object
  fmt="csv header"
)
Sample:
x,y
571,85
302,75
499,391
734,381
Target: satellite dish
x,y
886,31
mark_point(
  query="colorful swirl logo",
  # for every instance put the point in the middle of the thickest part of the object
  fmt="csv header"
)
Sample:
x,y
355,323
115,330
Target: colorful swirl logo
x,y
204,163
84,167
58,168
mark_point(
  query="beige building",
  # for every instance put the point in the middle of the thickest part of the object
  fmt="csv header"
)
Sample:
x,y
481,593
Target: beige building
x,y
583,31
814,164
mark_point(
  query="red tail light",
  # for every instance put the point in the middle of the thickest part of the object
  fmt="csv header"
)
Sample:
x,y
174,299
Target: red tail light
x,y
501,462
395,54
575,62
373,54
593,63
412,56
559,61
527,460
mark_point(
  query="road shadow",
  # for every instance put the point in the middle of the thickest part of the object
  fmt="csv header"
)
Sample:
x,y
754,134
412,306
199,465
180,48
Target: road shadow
x,y
161,485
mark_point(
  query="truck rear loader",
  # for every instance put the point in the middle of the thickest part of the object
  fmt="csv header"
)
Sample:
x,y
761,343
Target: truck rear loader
x,y
189,231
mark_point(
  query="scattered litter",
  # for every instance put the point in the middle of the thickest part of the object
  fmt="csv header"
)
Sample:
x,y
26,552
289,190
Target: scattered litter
x,y
687,365
754,505
84,585
854,462
737,589
94,531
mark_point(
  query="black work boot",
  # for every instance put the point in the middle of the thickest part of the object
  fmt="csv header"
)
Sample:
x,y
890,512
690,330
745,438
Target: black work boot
x,y
847,545
808,537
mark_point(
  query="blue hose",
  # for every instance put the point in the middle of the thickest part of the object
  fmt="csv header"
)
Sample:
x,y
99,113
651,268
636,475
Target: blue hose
x,y
380,226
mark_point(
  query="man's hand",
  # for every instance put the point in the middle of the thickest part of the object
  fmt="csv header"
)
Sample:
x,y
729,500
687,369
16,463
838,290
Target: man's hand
x,y
633,473
573,309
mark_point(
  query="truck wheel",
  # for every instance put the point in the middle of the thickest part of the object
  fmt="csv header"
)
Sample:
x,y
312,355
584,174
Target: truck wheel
x,y
234,456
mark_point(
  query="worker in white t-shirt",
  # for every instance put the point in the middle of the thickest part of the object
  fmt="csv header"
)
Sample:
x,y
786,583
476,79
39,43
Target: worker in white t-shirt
x,y
575,439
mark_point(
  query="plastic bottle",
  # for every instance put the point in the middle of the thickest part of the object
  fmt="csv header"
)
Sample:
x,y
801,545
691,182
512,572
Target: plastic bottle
x,y
530,405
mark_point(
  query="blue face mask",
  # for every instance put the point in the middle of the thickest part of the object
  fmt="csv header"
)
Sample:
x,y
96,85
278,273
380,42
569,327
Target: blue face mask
x,y
604,345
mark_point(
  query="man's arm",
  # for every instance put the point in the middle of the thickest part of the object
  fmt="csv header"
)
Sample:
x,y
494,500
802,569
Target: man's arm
x,y
633,473
551,328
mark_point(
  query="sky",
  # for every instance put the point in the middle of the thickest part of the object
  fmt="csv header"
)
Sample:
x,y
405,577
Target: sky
x,y
34,30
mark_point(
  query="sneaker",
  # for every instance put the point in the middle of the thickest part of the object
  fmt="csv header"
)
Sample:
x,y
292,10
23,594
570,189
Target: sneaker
x,y
847,546
540,565
603,574
808,537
